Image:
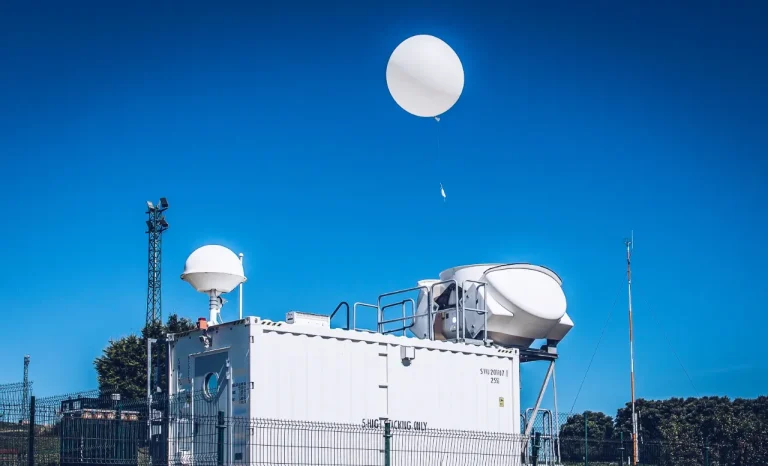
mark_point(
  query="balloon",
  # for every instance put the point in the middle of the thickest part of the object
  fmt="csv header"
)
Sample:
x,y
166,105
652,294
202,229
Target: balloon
x,y
425,76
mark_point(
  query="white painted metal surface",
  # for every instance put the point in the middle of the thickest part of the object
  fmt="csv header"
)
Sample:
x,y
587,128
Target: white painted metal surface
x,y
304,318
310,373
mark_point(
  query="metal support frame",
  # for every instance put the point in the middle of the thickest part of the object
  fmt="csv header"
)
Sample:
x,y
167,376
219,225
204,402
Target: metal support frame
x,y
539,398
156,225
484,310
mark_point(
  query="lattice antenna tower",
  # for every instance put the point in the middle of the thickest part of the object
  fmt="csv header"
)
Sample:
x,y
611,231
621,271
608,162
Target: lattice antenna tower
x,y
156,225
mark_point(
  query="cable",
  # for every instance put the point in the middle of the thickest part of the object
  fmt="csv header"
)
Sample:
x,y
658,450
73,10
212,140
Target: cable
x,y
666,337
610,314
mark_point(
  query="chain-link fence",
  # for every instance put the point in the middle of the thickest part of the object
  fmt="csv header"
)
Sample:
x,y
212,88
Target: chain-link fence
x,y
99,428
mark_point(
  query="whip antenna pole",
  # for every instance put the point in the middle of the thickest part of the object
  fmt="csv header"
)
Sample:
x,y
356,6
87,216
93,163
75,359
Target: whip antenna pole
x,y
629,244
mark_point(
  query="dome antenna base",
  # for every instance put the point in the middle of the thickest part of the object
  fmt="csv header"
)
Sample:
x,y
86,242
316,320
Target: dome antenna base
x,y
215,302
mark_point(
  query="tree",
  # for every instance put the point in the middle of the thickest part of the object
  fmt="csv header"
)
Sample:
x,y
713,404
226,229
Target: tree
x,y
677,431
122,367
599,426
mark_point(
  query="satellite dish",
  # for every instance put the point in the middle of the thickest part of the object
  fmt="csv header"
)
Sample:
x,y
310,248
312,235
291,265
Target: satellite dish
x,y
425,76
213,270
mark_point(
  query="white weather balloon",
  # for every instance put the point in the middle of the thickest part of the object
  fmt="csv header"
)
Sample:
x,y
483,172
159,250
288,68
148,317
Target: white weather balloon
x,y
425,76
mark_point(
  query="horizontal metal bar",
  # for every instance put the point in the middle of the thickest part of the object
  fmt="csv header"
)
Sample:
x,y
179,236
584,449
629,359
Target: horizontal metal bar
x,y
406,290
397,319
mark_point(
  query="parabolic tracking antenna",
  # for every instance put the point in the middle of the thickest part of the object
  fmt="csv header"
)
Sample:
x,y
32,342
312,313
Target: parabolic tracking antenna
x,y
524,302
425,76
213,270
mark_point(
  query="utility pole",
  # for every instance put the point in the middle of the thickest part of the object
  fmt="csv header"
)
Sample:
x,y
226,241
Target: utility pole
x,y
629,244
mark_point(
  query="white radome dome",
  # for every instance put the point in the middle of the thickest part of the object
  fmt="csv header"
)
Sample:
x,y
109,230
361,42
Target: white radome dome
x,y
213,268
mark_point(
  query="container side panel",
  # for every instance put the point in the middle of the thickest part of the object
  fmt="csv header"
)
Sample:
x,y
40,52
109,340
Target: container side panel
x,y
311,378
445,390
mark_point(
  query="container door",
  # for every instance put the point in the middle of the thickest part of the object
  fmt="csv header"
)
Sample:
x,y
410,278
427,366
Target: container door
x,y
212,409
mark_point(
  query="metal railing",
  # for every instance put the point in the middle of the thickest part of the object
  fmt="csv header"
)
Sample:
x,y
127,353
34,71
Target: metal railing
x,y
341,304
433,310
402,320
354,312
98,428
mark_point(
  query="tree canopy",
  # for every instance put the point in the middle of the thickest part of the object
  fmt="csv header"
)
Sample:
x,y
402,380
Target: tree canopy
x,y
731,431
122,367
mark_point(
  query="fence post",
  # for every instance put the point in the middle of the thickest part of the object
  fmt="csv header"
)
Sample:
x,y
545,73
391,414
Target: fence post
x,y
220,439
536,444
117,446
621,447
706,452
31,449
586,442
387,442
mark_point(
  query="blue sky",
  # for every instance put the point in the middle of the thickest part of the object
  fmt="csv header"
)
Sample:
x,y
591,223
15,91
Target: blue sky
x,y
270,129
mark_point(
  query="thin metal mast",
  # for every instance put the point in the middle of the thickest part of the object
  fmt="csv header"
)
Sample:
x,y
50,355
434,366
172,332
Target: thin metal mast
x,y
628,243
25,402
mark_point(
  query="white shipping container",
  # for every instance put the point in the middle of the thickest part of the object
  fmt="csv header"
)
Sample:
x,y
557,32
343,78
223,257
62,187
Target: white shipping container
x,y
305,372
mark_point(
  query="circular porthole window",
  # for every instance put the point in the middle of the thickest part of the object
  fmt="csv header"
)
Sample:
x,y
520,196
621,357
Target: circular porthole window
x,y
210,385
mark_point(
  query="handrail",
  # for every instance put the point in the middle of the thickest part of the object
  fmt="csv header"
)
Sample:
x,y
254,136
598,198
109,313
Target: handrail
x,y
343,303
403,319
354,312
393,293
432,309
